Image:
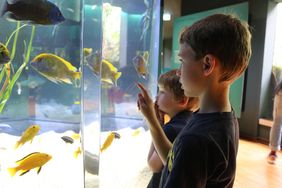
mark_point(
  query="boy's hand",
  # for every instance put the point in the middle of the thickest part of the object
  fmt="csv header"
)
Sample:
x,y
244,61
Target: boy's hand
x,y
160,114
145,103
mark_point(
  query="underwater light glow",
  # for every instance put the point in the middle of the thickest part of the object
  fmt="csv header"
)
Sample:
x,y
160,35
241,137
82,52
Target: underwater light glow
x,y
93,7
166,16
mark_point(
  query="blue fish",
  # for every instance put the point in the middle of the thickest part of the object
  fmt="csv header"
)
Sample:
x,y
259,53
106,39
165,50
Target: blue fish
x,y
40,12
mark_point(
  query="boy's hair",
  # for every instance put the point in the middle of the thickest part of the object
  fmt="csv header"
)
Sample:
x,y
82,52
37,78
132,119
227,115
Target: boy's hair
x,y
170,81
225,37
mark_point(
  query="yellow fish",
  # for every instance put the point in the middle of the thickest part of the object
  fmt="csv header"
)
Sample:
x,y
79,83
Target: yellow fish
x,y
108,141
78,151
55,68
140,63
109,73
28,135
87,52
4,54
31,161
76,102
136,132
75,136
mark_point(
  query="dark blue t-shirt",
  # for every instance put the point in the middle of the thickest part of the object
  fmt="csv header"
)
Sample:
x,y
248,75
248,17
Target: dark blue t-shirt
x,y
204,153
171,129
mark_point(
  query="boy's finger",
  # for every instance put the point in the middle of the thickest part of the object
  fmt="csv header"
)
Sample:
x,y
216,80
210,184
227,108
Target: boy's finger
x,y
141,100
138,105
143,90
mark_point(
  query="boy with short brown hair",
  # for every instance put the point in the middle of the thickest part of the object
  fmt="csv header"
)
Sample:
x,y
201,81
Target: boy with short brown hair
x,y
172,102
214,52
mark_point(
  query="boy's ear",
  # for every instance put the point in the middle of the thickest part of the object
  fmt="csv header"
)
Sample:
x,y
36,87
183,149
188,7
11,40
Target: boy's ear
x,y
209,62
184,100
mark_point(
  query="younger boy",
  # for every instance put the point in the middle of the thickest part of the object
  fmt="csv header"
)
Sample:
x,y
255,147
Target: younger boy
x,y
214,52
171,101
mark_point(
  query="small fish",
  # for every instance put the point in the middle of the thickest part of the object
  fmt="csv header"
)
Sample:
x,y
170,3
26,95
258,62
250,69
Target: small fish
x,y
109,73
140,63
31,161
5,126
108,141
4,54
95,20
70,10
19,90
76,102
28,135
136,132
67,139
45,114
75,136
40,12
55,68
87,52
76,152
117,135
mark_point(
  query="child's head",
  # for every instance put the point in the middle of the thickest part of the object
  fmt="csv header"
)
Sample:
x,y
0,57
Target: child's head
x,y
172,95
217,47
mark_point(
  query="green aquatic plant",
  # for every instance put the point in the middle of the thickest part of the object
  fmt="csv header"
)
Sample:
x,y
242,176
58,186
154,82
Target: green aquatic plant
x,y
6,68
7,87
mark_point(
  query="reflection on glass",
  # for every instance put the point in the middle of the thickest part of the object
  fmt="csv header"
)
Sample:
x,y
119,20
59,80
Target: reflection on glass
x,y
68,93
130,45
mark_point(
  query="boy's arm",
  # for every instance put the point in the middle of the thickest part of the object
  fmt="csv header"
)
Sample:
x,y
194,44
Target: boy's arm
x,y
151,151
160,117
154,161
161,142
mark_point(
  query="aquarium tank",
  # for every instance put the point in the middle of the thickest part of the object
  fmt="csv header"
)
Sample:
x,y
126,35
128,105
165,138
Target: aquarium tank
x,y
68,74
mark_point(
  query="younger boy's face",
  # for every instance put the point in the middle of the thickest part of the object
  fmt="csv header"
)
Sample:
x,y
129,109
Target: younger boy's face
x,y
165,100
191,72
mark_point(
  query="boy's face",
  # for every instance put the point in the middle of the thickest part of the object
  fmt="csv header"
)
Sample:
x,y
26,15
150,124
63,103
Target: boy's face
x,y
191,72
165,100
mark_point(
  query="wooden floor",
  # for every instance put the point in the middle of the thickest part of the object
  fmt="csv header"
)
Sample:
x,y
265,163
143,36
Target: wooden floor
x,y
253,171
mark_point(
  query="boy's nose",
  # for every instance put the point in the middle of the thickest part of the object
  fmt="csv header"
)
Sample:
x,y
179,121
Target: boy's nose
x,y
157,98
178,72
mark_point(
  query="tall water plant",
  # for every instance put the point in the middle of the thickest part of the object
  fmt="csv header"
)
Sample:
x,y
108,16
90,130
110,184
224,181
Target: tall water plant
x,y
7,86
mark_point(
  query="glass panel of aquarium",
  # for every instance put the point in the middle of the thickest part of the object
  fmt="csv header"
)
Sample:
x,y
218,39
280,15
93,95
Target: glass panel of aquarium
x,y
40,95
130,51
91,89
